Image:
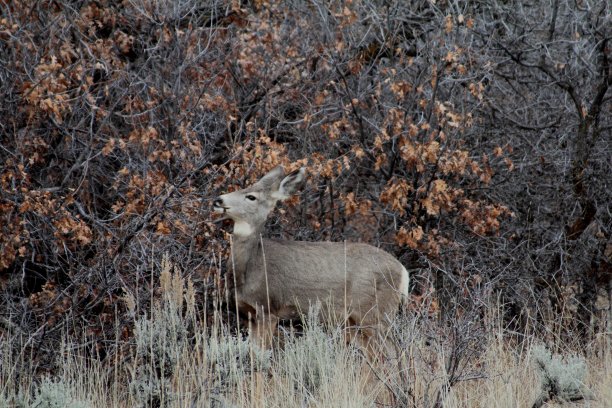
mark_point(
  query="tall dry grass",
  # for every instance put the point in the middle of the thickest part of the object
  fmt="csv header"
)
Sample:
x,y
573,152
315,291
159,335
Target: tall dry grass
x,y
179,359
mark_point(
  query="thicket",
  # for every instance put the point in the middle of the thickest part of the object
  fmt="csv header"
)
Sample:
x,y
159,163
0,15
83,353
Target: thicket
x,y
470,139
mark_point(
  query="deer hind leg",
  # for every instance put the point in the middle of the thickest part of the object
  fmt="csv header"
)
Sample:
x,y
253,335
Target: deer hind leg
x,y
371,338
387,365
263,329
362,337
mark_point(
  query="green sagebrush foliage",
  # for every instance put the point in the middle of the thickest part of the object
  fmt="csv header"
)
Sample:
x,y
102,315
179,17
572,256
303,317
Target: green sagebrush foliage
x,y
171,338
562,379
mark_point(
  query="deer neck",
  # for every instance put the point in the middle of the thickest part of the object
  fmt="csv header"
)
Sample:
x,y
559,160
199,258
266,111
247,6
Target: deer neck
x,y
246,249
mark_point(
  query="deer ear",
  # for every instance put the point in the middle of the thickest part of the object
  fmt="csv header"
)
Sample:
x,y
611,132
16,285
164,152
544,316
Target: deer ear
x,y
271,180
290,184
273,175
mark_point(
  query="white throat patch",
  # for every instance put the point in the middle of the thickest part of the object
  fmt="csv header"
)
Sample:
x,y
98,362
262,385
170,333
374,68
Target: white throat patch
x,y
243,229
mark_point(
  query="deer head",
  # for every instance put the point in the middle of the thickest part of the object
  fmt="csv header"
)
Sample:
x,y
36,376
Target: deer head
x,y
249,208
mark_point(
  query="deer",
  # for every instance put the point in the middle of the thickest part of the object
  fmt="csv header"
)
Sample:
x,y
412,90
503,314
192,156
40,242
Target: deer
x,y
359,285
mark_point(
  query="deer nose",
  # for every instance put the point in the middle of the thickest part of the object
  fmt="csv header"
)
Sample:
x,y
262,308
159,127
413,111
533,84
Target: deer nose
x,y
218,202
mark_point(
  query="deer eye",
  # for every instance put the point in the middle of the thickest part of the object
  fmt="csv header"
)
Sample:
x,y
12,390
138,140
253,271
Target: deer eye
x,y
251,197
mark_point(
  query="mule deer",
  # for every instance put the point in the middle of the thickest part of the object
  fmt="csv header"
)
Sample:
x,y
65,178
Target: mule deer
x,y
358,284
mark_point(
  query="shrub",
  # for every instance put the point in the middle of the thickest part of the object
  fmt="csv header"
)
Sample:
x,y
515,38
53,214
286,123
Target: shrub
x,y
57,394
560,379
170,339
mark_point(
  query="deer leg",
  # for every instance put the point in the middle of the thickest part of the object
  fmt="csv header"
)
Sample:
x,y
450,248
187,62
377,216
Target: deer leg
x,y
263,329
362,337
367,340
372,340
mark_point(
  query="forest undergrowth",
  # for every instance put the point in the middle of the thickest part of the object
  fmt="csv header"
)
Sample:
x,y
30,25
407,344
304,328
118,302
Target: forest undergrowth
x,y
180,357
